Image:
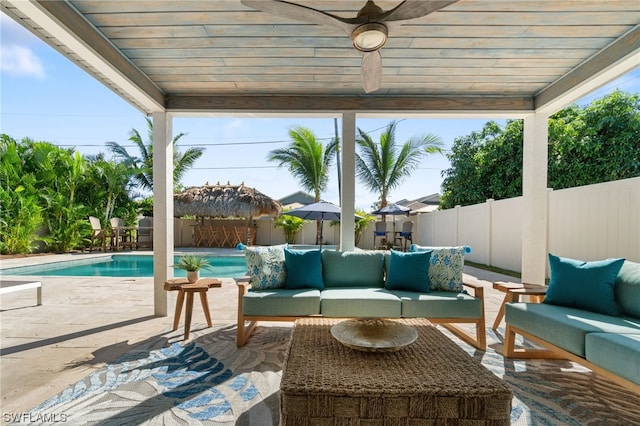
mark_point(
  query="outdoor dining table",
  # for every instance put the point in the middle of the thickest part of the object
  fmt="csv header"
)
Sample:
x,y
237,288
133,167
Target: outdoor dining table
x,y
128,236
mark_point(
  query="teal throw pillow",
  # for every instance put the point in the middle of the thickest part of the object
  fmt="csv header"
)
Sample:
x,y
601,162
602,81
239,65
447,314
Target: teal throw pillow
x,y
628,289
265,266
446,266
304,269
584,285
409,271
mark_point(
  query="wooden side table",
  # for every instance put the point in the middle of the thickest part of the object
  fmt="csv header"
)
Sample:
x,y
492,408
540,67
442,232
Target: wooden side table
x,y
513,291
184,287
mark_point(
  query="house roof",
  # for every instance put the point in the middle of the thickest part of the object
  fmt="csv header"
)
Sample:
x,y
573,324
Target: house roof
x,y
298,198
472,56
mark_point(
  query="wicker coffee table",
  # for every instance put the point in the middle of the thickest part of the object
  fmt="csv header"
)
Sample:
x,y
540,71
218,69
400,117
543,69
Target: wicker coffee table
x,y
324,382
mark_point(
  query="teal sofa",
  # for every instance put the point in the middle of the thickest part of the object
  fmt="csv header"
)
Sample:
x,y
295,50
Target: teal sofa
x,y
355,286
607,344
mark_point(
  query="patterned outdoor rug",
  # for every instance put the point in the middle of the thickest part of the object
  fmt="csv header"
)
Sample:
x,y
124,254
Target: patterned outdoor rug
x,y
209,381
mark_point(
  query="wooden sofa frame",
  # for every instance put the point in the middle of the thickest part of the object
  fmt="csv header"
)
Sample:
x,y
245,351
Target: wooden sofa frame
x,y
478,341
554,352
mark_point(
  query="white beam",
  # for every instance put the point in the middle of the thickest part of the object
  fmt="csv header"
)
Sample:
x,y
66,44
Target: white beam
x,y
535,199
162,209
348,184
74,44
617,59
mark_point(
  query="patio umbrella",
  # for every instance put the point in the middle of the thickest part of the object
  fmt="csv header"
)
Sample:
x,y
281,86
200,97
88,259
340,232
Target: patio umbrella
x,y
317,211
320,211
394,210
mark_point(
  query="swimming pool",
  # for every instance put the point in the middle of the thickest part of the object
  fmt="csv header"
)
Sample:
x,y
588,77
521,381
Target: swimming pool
x,y
122,265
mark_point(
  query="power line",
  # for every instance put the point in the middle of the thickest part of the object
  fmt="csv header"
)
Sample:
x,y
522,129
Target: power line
x,y
272,167
234,168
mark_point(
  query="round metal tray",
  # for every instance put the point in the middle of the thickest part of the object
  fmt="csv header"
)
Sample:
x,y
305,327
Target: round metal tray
x,y
374,335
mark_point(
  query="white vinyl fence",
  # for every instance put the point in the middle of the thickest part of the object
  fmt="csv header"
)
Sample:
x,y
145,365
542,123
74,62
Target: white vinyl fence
x,y
589,223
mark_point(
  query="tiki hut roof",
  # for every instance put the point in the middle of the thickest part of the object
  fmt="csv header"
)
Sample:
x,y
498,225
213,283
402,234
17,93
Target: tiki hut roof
x,y
224,201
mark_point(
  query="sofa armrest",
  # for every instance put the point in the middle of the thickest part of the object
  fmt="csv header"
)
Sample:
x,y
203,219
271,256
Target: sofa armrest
x,y
243,284
244,333
476,287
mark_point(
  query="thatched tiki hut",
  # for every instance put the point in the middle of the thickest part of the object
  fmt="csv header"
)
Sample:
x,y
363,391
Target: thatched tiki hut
x,y
225,201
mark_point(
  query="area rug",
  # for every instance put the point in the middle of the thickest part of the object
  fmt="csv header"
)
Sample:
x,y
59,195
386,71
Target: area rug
x,y
209,381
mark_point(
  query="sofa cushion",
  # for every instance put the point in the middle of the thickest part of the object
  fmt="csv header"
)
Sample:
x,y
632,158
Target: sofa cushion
x,y
565,327
359,302
265,266
583,285
408,271
618,353
281,302
627,289
439,304
445,267
353,269
304,269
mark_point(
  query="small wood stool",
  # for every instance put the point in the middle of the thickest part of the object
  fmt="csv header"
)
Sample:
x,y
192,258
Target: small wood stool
x,y
183,286
513,292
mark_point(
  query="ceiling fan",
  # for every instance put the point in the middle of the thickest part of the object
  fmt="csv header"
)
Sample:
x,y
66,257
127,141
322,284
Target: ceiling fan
x,y
368,30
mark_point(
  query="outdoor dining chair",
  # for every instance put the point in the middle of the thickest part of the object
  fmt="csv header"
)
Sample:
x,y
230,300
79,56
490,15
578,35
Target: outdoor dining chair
x,y
406,234
98,235
144,233
380,232
121,236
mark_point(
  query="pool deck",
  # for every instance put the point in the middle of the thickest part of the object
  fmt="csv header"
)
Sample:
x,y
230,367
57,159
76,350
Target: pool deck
x,y
85,322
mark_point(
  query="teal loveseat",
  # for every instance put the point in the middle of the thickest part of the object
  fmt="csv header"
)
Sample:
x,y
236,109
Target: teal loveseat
x,y
356,285
606,343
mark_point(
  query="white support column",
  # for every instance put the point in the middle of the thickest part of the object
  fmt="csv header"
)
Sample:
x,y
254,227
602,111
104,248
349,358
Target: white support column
x,y
162,209
489,241
348,196
535,198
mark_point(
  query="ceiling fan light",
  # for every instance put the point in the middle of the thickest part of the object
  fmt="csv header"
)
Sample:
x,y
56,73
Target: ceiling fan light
x,y
369,37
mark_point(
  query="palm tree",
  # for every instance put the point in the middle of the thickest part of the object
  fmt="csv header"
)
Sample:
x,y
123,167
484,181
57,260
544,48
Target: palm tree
x,y
382,166
309,161
143,165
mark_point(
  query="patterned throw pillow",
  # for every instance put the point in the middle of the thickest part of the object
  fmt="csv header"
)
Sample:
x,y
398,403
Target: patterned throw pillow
x,y
445,268
266,266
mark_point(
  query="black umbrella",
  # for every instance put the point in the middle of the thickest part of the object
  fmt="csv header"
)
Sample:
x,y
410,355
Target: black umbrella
x,y
322,210
317,211
392,209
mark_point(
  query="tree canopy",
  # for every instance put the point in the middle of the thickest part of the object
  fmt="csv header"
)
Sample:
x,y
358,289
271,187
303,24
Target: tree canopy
x,y
587,145
48,192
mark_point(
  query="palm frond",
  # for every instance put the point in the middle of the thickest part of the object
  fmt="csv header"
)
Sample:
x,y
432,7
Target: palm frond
x,y
384,165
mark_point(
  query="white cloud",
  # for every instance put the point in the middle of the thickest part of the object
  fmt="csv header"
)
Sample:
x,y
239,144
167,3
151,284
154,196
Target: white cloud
x,y
20,61
17,58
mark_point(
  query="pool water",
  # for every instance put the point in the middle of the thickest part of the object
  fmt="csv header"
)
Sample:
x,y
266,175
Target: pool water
x,y
129,266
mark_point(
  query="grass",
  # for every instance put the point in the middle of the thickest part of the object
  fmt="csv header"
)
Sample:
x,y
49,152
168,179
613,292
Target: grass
x,y
498,270
494,269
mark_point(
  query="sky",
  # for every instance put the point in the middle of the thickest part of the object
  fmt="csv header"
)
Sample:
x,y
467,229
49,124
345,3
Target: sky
x,y
46,97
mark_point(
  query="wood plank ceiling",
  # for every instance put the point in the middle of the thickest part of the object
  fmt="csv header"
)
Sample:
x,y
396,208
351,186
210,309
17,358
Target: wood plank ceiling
x,y
487,54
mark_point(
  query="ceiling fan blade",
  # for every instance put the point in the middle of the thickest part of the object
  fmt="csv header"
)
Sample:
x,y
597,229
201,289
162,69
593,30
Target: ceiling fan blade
x,y
299,13
371,71
412,9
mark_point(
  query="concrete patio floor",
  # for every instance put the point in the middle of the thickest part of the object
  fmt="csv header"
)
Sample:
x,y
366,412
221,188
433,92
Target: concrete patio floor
x,y
85,322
